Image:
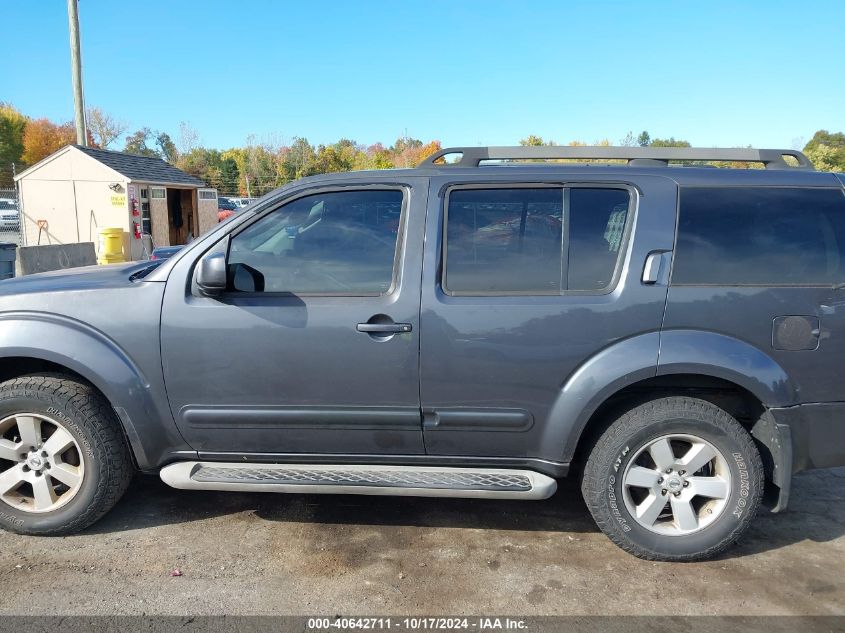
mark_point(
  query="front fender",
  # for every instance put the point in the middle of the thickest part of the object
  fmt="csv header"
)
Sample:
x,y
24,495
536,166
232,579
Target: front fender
x,y
143,411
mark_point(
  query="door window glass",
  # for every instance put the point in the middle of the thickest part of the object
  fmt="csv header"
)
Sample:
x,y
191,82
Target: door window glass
x,y
533,240
335,243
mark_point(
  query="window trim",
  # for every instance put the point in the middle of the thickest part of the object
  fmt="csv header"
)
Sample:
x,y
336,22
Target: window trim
x,y
399,251
564,186
681,188
155,190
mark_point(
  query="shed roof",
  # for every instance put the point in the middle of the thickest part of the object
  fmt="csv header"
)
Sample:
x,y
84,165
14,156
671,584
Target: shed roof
x,y
141,168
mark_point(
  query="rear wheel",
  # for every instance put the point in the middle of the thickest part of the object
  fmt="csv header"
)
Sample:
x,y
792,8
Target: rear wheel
x,y
674,479
63,459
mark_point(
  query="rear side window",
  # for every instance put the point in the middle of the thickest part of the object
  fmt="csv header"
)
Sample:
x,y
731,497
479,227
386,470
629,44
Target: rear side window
x,y
760,236
533,240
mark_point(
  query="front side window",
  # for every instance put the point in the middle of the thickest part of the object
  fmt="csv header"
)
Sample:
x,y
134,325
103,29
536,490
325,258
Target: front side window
x,y
767,236
533,240
334,243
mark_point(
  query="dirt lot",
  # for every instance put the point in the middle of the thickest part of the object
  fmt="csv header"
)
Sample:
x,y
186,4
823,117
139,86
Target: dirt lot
x,y
277,554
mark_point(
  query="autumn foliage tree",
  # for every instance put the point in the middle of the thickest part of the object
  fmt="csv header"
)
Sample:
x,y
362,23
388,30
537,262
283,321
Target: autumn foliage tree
x,y
42,137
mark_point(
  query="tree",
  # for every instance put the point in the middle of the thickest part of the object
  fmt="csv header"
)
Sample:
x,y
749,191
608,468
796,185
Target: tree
x,y
827,151
166,147
139,143
202,163
42,137
103,128
534,141
297,160
188,139
669,142
12,126
229,175
644,139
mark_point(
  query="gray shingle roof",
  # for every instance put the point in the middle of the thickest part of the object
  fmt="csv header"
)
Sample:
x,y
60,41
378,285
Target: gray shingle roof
x,y
141,168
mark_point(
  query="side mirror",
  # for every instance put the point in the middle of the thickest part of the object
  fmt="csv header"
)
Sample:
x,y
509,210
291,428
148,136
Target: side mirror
x,y
211,275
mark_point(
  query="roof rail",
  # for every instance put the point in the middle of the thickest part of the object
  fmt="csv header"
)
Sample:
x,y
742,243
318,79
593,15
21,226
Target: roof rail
x,y
636,156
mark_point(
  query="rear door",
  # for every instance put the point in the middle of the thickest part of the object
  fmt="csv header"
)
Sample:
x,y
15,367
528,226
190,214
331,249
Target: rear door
x,y
526,278
313,348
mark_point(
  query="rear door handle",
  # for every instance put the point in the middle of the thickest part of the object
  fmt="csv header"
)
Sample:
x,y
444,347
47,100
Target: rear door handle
x,y
653,264
384,328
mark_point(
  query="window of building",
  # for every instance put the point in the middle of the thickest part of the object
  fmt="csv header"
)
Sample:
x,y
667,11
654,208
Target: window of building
x,y
207,194
766,236
158,192
335,243
533,240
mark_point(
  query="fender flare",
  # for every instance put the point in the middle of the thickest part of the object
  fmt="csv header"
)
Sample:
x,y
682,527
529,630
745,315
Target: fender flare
x,y
654,354
88,352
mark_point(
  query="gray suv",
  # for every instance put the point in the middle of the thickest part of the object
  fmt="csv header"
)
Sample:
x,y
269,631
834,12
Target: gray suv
x,y
671,333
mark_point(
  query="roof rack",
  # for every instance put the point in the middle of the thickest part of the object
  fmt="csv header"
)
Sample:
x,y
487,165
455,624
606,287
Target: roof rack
x,y
636,156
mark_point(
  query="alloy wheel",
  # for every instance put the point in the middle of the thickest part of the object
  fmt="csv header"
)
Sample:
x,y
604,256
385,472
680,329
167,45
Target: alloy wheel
x,y
41,464
676,484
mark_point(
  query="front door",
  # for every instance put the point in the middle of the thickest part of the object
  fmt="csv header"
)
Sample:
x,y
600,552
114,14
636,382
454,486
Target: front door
x,y
313,348
534,277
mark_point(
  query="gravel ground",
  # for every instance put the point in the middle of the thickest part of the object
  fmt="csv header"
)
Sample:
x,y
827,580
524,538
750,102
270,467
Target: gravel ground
x,y
297,554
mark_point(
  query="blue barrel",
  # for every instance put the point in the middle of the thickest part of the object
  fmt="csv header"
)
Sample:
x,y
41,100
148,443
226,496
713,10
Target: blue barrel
x,y
8,254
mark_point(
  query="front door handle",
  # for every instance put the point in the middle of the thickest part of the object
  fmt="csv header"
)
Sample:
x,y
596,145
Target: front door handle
x,y
384,328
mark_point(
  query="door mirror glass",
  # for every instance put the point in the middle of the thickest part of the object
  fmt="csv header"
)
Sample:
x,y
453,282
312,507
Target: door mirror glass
x,y
211,275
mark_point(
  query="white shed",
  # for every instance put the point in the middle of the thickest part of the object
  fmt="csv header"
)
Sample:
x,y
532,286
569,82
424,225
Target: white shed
x,y
67,197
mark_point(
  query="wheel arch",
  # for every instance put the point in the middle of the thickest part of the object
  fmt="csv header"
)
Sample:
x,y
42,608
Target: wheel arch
x,y
730,373
38,342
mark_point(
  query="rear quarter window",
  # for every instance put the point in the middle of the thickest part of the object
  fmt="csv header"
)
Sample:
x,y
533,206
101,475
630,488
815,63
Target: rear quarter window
x,y
760,236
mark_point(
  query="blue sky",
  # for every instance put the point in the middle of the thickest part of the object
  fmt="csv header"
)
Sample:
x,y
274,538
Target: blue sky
x,y
759,72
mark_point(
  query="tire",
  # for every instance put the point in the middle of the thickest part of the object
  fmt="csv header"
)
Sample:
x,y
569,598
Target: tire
x,y
630,476
66,489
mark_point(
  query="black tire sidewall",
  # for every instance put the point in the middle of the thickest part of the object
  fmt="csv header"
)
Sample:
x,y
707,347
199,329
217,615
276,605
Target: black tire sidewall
x,y
61,410
745,488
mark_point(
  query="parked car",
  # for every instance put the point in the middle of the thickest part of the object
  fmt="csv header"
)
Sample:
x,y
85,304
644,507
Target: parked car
x,y
225,209
10,219
671,336
165,252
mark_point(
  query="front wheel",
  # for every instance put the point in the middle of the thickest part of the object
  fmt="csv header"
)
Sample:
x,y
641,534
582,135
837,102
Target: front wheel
x,y
675,479
63,459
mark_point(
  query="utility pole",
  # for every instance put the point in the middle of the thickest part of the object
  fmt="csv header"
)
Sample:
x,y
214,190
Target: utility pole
x,y
76,72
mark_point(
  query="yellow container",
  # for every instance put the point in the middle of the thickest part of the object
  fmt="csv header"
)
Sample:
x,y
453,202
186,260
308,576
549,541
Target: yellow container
x,y
111,246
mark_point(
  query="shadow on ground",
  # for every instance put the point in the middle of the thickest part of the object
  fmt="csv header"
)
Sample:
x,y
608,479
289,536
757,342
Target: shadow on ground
x,y
817,511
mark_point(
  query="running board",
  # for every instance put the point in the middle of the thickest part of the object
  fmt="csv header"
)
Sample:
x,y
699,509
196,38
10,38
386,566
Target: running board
x,y
413,481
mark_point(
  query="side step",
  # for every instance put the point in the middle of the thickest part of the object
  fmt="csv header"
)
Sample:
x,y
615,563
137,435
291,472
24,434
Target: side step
x,y
414,481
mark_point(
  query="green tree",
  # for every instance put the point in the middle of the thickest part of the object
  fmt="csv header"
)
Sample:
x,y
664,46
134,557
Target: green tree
x,y
229,176
166,147
140,143
669,142
12,127
827,151
298,160
534,141
644,139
